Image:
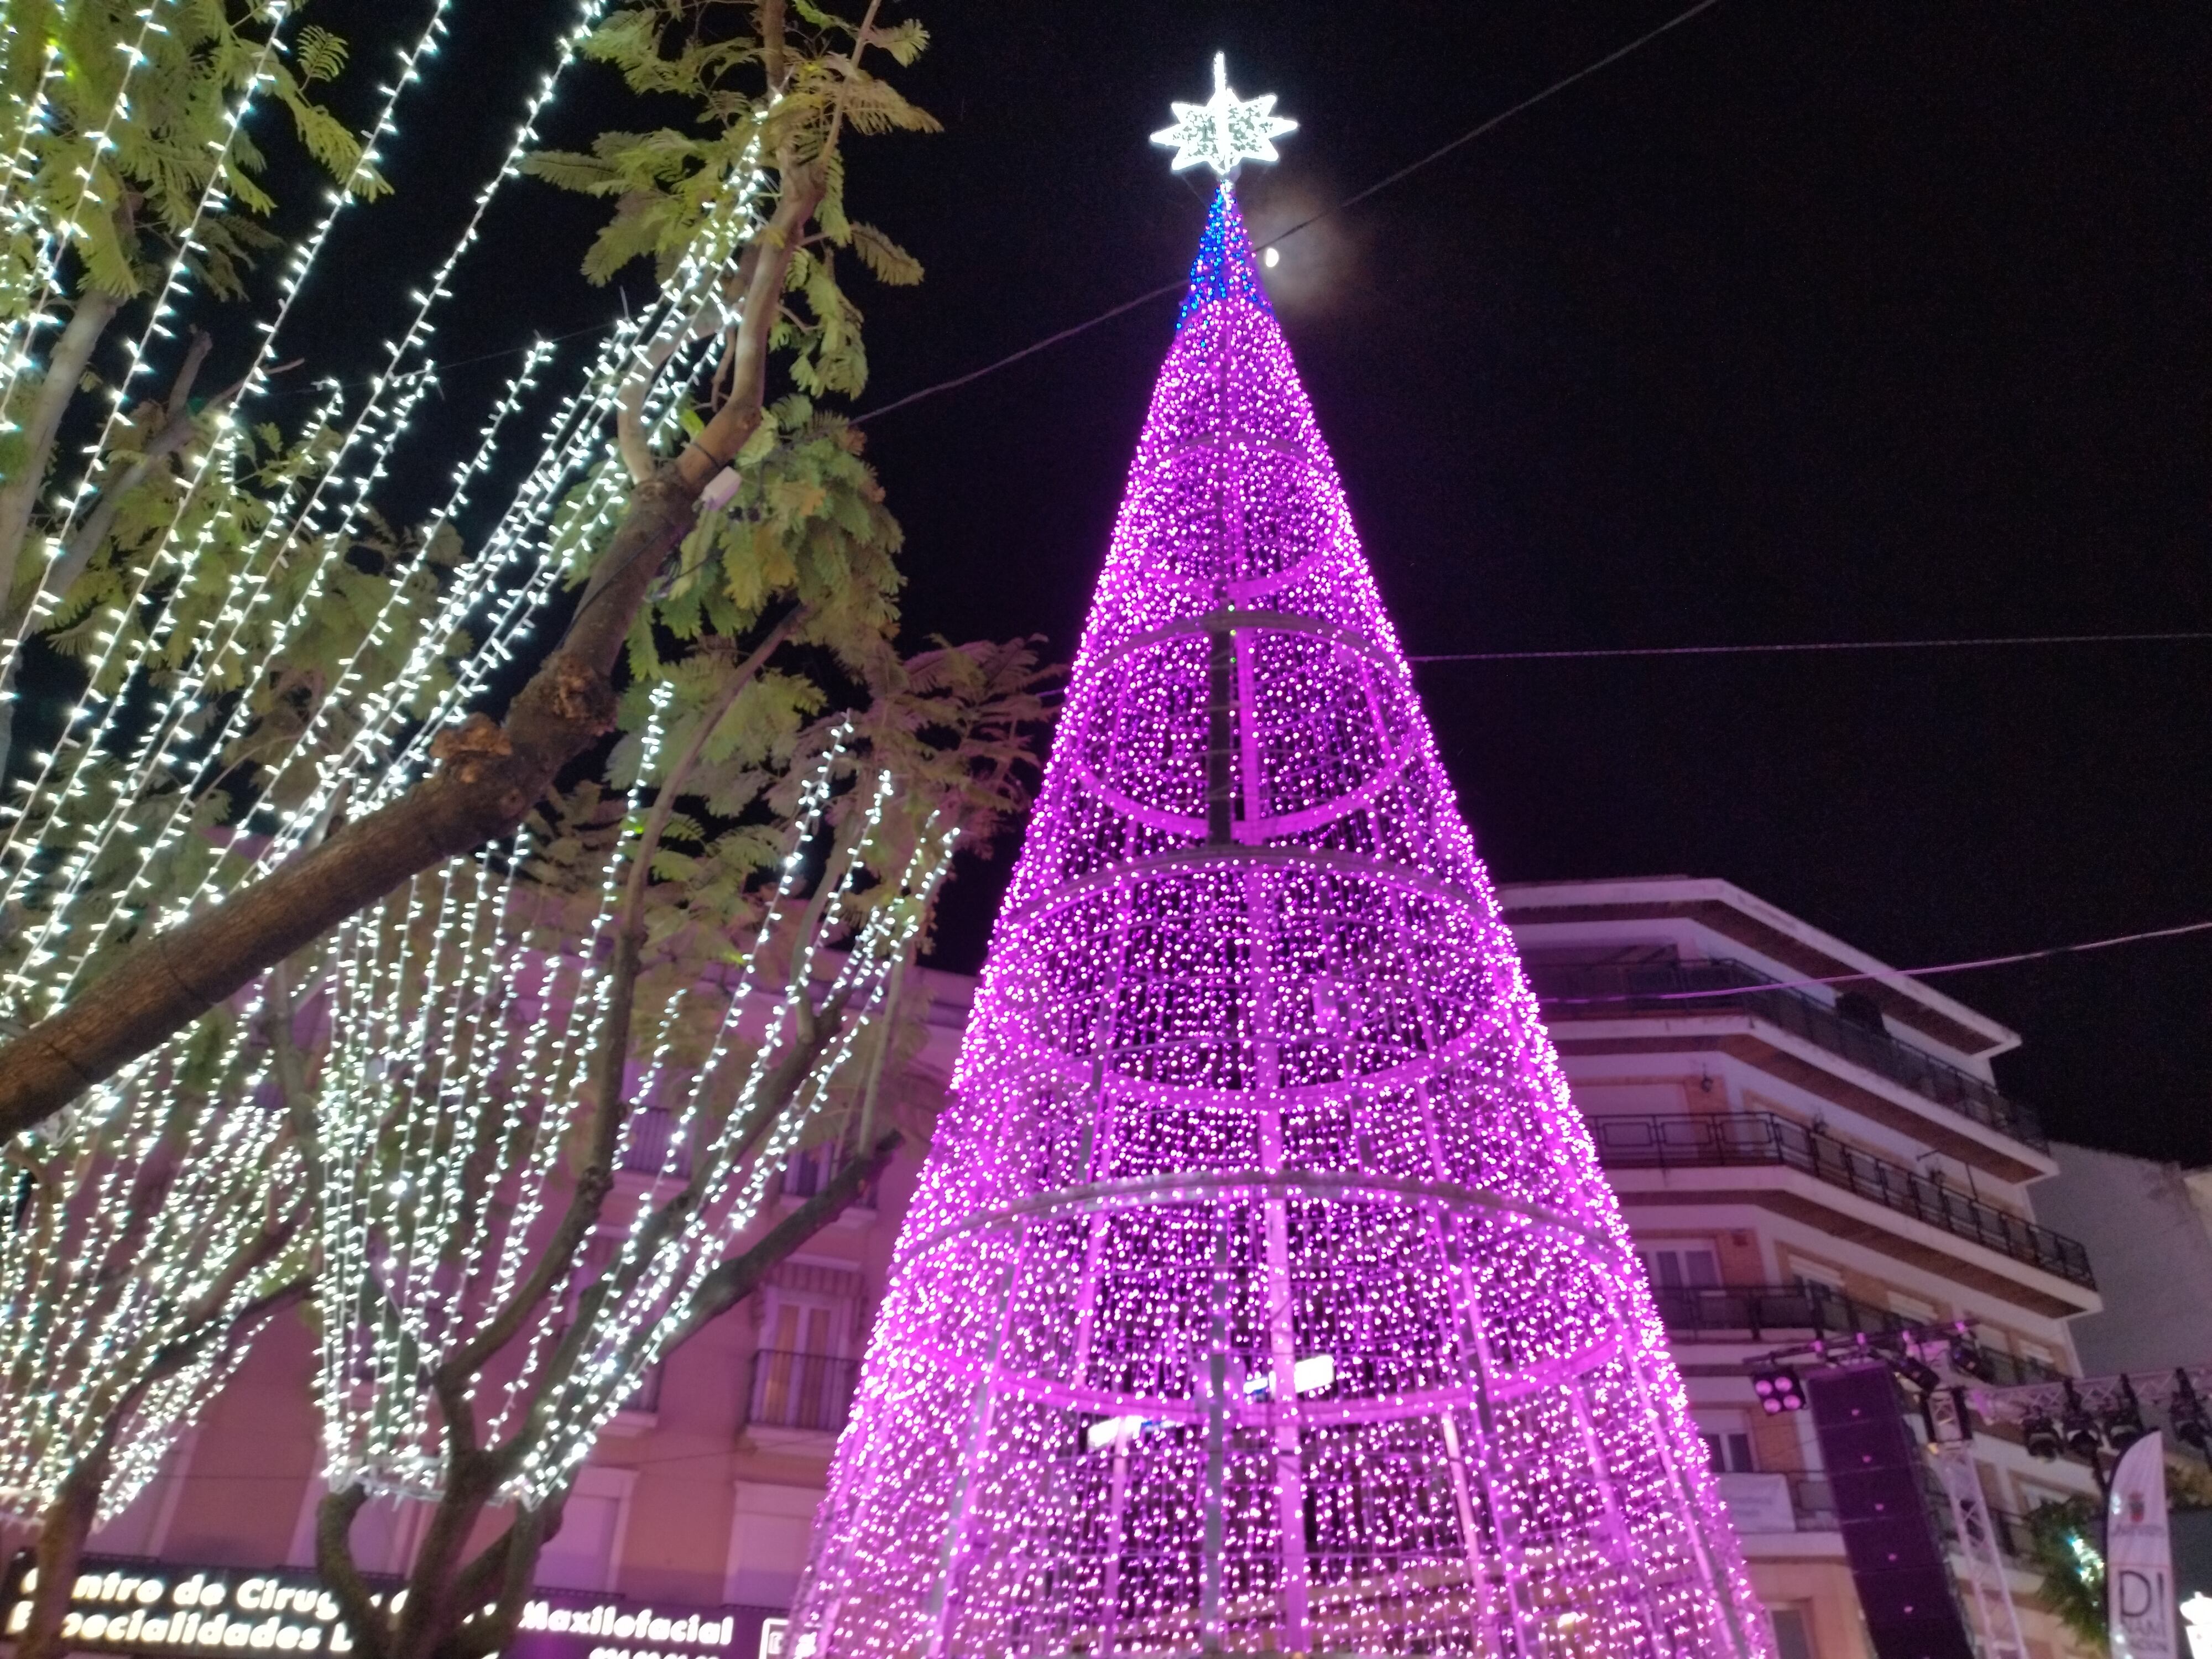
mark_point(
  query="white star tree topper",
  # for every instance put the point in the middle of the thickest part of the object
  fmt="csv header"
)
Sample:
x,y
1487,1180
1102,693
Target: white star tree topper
x,y
1225,130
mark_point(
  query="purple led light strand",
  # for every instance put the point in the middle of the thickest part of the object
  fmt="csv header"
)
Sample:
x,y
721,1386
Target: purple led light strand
x,y
1262,1292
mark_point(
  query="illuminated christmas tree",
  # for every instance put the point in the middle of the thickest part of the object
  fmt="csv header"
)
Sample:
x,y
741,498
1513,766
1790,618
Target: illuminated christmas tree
x,y
1262,1293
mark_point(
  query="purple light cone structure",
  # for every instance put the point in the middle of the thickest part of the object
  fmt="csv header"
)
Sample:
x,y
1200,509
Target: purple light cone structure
x,y
1262,1293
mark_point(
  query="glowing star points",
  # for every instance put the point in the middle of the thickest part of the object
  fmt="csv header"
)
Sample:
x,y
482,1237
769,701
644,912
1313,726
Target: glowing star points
x,y
1225,130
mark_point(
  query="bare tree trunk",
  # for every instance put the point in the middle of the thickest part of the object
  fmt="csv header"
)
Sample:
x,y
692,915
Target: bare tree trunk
x,y
334,1564
437,1620
433,1610
62,1532
493,772
65,368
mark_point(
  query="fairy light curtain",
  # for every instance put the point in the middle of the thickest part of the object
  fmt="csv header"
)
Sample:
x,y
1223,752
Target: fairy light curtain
x,y
1262,1293
167,1192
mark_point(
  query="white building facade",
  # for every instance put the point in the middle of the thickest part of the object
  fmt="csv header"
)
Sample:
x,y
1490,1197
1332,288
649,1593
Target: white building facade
x,y
1800,1159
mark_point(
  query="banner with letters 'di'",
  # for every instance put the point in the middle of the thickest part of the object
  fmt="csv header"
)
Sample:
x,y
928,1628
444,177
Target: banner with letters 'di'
x,y
2139,1596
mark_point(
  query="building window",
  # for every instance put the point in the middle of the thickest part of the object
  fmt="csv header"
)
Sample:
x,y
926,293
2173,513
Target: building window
x,y
801,1375
1793,1633
1727,1436
1911,1309
585,1552
1681,1266
1814,1277
801,1378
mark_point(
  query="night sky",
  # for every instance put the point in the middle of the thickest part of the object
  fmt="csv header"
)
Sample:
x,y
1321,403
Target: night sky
x,y
1806,322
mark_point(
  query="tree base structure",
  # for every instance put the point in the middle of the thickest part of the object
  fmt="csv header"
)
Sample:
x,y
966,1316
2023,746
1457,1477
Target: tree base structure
x,y
1262,1293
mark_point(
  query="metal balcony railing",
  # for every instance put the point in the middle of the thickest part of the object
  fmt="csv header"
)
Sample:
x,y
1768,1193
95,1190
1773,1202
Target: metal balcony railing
x,y
809,1171
651,1130
1753,1313
1757,1313
786,1389
1680,1142
1647,987
649,1133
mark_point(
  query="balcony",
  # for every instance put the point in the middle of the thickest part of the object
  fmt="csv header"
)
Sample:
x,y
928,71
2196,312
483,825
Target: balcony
x,y
809,1392
651,1131
1690,987
1755,1313
1673,1141
1761,1313
1763,1504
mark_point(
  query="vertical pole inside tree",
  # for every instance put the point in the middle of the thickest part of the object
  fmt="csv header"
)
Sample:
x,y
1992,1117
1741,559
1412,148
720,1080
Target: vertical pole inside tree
x,y
1323,1333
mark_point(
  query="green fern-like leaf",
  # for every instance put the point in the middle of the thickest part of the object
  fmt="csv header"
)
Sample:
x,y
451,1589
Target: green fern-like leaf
x,y
904,41
320,54
634,233
889,261
332,142
566,169
106,261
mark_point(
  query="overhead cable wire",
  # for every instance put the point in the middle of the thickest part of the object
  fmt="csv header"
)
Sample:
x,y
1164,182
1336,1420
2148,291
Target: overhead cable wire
x,y
1824,644
1179,284
1473,133
2006,960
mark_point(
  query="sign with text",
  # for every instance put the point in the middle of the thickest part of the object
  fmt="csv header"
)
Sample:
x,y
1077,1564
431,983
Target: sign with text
x,y
2139,1594
144,1607
156,1609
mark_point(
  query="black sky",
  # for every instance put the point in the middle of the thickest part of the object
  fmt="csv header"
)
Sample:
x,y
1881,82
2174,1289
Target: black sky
x,y
1812,321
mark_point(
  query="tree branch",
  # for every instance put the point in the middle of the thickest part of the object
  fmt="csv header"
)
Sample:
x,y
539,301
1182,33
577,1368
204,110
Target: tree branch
x,y
65,368
175,433
769,15
334,1564
738,1278
492,775
632,916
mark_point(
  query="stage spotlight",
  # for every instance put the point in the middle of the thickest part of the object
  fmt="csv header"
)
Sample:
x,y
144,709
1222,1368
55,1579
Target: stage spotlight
x,y
2079,1427
2123,1424
2040,1435
1778,1391
2186,1412
1918,1373
1970,1359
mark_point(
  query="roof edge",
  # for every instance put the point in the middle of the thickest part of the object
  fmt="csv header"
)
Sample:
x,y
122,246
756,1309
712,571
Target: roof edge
x,y
1818,953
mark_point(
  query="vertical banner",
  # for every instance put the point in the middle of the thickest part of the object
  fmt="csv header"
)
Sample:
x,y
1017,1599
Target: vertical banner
x,y
2139,1594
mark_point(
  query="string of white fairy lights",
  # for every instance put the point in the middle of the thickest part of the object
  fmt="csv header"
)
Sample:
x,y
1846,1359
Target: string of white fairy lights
x,y
17,356
582,445
451,958
82,726
703,264
169,732
461,1050
142,1203
176,286
217,1181
84,723
661,1280
18,214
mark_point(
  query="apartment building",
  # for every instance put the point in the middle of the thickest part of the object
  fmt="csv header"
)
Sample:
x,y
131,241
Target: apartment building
x,y
1800,1159
1795,1160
